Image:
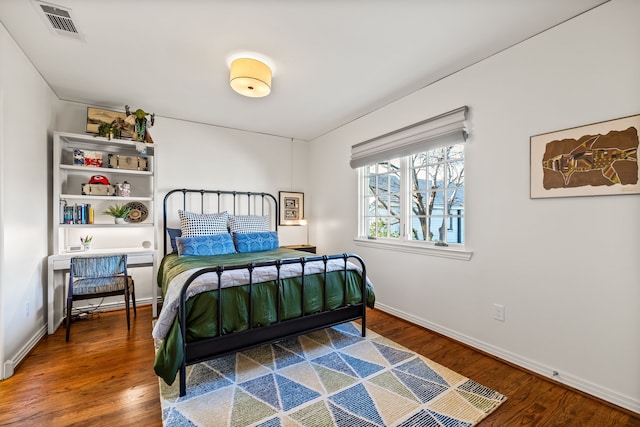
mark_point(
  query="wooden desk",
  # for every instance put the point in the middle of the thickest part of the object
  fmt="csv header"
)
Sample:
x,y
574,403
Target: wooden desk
x,y
58,266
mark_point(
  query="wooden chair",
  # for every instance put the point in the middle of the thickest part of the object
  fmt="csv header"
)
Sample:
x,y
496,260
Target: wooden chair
x,y
97,277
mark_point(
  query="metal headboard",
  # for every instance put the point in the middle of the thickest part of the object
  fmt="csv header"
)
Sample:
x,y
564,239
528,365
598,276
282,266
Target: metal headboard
x,y
212,201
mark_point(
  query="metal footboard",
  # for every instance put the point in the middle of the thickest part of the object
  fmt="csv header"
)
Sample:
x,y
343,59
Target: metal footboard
x,y
253,336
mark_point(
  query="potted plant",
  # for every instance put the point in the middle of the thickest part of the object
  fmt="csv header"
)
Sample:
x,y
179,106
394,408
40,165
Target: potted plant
x,y
109,130
86,242
119,212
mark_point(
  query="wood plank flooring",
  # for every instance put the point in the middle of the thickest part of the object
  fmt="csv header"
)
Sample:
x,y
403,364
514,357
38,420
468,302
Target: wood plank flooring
x,y
104,377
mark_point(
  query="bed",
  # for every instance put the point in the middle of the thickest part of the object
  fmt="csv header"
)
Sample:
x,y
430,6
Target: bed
x,y
227,285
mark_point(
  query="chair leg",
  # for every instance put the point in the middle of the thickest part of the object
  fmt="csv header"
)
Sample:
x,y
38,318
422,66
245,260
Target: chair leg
x,y
126,305
133,297
68,319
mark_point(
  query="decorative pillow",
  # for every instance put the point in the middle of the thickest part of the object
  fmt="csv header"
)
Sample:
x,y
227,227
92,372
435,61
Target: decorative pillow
x,y
218,244
173,233
256,242
248,223
193,224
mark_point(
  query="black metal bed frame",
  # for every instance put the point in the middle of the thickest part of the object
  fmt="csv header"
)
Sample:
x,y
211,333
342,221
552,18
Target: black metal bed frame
x,y
220,345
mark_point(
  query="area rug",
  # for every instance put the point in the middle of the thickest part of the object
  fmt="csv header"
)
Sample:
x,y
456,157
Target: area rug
x,y
331,377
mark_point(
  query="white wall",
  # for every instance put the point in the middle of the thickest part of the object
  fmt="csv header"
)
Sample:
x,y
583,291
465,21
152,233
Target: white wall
x,y
566,269
27,116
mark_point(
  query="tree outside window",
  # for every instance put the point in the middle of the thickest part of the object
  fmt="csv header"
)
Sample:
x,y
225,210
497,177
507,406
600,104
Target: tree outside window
x,y
432,185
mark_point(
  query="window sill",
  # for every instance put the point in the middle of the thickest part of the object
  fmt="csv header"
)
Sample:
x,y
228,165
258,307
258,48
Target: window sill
x,y
416,248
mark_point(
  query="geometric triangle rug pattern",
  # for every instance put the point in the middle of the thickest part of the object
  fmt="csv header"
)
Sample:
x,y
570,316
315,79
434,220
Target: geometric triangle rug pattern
x,y
330,377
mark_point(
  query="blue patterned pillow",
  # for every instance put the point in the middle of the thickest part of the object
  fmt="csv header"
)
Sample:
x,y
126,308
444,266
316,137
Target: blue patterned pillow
x,y
173,233
218,244
248,223
256,242
193,224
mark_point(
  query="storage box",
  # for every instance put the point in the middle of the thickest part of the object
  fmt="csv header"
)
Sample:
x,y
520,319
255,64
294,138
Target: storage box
x,y
98,190
118,161
87,158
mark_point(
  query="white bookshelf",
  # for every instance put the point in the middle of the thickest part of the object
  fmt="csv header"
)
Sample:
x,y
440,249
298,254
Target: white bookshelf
x,y
136,238
68,179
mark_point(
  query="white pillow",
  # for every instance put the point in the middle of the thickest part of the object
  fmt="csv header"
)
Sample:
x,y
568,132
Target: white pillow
x,y
242,224
193,224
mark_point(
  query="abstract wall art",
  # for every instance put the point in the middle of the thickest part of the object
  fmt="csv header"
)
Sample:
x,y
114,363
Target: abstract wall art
x,y
591,160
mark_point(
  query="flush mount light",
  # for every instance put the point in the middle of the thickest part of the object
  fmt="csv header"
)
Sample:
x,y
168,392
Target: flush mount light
x,y
250,77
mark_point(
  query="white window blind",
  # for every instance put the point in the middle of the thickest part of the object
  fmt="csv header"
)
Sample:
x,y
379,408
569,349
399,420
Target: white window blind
x,y
443,130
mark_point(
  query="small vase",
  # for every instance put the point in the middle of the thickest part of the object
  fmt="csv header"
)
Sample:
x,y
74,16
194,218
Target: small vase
x,y
119,220
87,246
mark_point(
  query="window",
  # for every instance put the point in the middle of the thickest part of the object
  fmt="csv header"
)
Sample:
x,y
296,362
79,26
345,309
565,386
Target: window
x,y
416,193
433,194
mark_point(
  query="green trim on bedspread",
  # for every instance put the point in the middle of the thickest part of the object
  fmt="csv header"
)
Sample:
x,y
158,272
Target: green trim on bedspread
x,y
202,309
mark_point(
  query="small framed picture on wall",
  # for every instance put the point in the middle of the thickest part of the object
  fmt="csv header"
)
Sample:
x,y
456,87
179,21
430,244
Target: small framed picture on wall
x,y
291,208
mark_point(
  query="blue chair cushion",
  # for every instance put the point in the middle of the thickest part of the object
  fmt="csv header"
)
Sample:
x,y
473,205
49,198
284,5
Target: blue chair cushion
x,y
97,285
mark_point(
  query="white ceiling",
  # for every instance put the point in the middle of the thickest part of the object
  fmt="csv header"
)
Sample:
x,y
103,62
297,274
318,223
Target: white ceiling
x,y
334,60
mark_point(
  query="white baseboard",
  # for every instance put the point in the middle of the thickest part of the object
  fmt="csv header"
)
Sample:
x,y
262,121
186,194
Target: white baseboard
x,y
10,365
588,387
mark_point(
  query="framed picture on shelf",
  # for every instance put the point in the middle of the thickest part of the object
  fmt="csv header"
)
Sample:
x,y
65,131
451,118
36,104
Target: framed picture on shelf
x,y
591,160
291,208
97,117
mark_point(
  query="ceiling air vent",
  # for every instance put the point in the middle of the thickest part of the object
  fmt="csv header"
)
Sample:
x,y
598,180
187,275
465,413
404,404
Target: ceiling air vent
x,y
59,19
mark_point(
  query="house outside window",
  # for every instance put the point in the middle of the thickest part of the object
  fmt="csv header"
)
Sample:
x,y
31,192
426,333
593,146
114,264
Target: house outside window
x,y
412,183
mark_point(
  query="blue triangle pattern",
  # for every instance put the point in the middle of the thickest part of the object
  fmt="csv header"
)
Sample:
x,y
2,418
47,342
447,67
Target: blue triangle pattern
x,y
424,390
294,394
172,417
340,340
283,357
226,365
420,369
362,367
349,406
422,419
448,421
264,388
291,344
345,419
203,380
356,400
393,355
273,422
349,328
333,361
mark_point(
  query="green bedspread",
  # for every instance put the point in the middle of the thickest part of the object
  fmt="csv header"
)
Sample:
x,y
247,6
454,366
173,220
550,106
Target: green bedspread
x,y
202,309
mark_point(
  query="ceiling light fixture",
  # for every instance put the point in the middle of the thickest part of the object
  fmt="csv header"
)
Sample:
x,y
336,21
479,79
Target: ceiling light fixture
x,y
250,77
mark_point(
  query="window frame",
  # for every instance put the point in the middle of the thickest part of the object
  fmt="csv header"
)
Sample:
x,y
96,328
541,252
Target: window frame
x,y
444,130
403,243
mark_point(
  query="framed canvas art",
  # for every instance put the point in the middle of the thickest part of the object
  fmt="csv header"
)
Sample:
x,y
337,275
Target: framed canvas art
x,y
592,160
96,117
291,208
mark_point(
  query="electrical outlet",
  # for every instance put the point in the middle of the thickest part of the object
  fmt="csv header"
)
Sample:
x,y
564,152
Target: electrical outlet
x,y
26,309
498,312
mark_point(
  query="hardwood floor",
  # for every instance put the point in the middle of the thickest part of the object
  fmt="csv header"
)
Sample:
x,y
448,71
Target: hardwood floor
x,y
104,377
